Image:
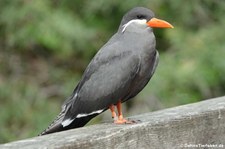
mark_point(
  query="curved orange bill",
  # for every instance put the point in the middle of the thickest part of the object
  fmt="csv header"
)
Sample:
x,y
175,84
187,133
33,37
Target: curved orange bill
x,y
154,22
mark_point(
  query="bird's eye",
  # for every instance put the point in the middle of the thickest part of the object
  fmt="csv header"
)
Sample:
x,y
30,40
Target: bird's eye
x,y
140,16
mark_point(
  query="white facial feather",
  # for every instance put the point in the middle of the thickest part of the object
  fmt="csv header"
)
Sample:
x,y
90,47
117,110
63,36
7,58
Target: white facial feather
x,y
137,21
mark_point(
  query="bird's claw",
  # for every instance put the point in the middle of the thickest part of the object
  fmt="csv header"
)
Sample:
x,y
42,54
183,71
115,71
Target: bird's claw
x,y
125,121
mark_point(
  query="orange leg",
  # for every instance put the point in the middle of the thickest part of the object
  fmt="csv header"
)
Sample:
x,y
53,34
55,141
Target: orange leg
x,y
120,119
113,112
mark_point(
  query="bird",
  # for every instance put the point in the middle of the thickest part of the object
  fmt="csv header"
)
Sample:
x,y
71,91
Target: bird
x,y
117,73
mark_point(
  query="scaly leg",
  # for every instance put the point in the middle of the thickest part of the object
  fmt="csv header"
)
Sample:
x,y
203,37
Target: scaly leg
x,y
112,109
120,119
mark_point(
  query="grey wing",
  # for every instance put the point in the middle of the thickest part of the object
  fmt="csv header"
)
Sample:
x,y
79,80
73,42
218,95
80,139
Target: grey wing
x,y
155,63
140,82
109,82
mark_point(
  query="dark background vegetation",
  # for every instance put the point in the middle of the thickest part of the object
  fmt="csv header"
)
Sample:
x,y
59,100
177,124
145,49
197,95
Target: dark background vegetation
x,y
45,46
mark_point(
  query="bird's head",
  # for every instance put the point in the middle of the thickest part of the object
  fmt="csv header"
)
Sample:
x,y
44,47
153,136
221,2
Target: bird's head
x,y
142,17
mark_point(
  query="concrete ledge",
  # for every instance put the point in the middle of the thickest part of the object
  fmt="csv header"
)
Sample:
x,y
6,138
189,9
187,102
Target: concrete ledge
x,y
199,124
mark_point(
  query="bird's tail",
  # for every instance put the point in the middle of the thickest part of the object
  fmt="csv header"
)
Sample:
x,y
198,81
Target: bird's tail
x,y
55,126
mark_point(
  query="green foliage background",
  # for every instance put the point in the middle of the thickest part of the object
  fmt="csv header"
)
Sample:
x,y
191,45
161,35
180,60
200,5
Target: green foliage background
x,y
45,46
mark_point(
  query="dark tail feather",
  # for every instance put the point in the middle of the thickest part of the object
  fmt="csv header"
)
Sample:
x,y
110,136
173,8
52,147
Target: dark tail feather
x,y
56,125
49,130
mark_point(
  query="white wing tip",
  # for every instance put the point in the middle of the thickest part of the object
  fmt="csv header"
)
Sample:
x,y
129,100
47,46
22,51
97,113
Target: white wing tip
x,y
87,114
67,122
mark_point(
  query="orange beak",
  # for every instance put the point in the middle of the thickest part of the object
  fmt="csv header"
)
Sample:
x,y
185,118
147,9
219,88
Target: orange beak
x,y
154,22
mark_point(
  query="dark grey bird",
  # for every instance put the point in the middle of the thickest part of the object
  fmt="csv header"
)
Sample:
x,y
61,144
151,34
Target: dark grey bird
x,y
118,72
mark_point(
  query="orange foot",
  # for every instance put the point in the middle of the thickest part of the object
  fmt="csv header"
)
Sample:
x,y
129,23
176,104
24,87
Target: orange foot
x,y
122,120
